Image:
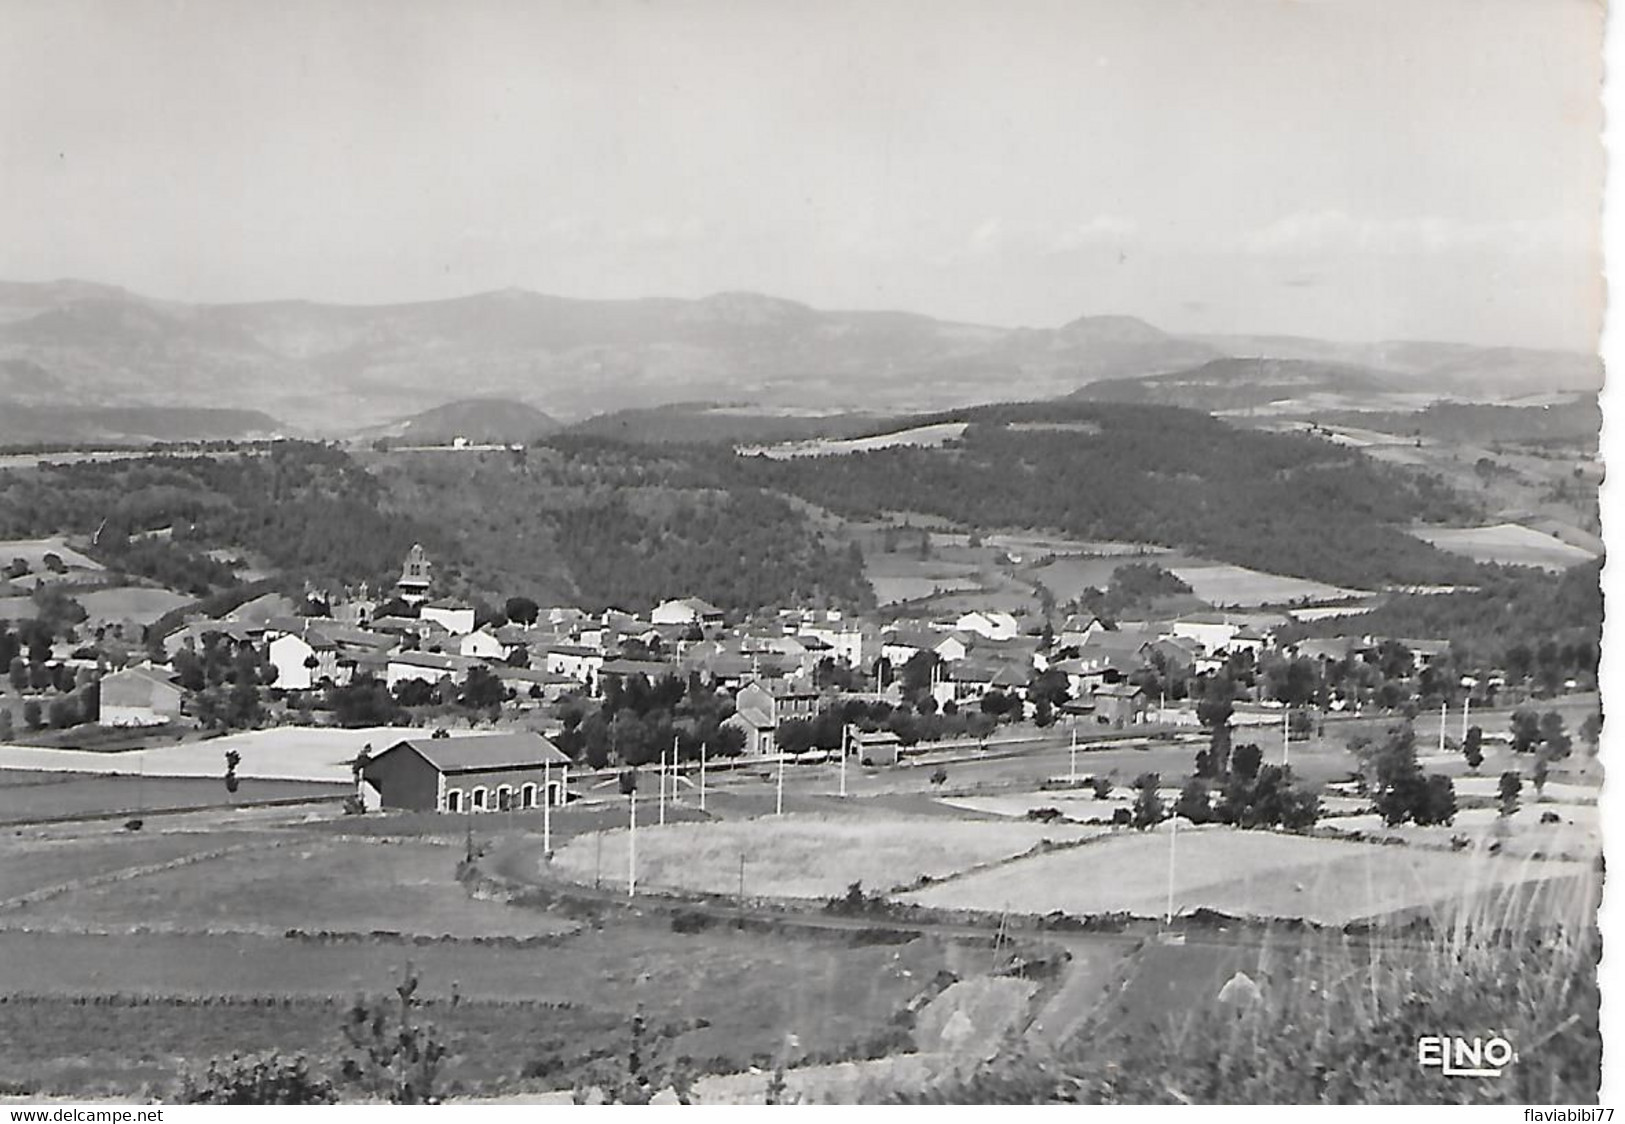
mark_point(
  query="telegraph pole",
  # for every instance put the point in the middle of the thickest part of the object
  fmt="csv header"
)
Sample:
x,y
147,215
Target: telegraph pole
x,y
1466,708
1072,759
632,847
778,806
702,776
1286,737
547,808
1444,711
1173,838
661,799
845,730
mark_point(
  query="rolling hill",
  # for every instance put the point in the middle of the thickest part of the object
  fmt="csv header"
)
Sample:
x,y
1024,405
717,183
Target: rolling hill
x,y
1254,385
336,369
479,420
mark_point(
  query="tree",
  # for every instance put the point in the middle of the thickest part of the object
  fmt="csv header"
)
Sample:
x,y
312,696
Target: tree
x,y
1148,809
1438,802
392,1053
62,713
1591,730
482,690
1543,759
1102,787
1554,739
522,610
1472,747
31,714
5,724
939,776
1511,787
233,759
1526,732
1245,760
1195,801
794,736
18,674
1213,712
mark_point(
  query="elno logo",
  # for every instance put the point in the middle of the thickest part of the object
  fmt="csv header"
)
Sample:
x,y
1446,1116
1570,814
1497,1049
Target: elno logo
x,y
1454,1056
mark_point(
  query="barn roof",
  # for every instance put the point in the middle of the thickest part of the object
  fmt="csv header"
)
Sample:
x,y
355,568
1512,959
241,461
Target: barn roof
x,y
483,751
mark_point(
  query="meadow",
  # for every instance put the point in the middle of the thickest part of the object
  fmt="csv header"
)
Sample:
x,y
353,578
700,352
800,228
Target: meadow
x,y
1508,544
134,603
1257,874
31,796
800,855
1239,587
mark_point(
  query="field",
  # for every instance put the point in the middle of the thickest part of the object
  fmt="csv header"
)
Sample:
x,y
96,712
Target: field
x,y
33,551
1508,544
1242,873
133,603
131,971
36,795
923,437
802,856
286,753
268,889
1237,586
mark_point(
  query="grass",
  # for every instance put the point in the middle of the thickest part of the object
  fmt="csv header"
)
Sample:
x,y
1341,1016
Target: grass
x,y
326,886
1241,873
922,437
134,603
801,856
737,994
27,796
1220,584
1508,544
32,863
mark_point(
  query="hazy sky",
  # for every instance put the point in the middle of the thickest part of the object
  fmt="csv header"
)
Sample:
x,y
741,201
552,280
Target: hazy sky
x,y
1357,169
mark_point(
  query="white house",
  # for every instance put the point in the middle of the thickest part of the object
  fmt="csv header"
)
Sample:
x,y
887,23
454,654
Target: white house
x,y
1211,630
139,696
481,644
429,667
989,625
686,610
578,663
456,617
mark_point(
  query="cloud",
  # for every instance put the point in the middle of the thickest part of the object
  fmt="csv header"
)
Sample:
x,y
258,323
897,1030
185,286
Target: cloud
x,y
996,236
1101,230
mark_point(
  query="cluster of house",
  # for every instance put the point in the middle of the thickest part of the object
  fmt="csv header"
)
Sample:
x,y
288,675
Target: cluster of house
x,y
769,663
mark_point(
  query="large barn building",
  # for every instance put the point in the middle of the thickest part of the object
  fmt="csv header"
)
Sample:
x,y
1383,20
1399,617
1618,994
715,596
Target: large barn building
x,y
478,773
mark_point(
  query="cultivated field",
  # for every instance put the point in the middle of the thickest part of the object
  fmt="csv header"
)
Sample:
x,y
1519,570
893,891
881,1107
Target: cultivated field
x,y
1242,873
132,603
33,551
271,887
923,436
1508,544
1226,585
802,856
33,795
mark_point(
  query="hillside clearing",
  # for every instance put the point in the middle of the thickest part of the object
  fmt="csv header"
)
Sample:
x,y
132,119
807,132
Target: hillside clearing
x,y
1508,544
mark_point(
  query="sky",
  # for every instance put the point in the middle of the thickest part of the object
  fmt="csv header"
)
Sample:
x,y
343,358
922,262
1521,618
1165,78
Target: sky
x,y
1352,169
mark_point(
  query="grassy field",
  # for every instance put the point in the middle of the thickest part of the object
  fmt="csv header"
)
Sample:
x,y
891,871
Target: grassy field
x,y
1508,544
1237,586
130,602
33,551
802,856
921,437
1242,873
34,862
327,886
32,795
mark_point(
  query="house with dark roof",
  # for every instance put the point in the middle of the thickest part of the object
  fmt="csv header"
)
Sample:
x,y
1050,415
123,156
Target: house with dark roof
x,y
478,773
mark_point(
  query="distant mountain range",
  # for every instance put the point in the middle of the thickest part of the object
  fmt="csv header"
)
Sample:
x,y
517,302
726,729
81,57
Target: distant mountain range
x,y
343,369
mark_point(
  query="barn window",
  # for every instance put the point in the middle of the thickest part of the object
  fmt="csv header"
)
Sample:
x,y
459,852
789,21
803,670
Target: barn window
x,y
479,800
454,800
527,796
504,798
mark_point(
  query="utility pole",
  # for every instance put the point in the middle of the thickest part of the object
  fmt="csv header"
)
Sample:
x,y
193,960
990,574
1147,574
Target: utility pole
x,y
661,799
1466,707
778,806
1286,737
741,898
632,847
845,730
547,808
702,776
1173,838
1444,712
1072,759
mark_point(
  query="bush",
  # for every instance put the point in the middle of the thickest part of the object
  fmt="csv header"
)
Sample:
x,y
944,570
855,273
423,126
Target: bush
x,y
256,1079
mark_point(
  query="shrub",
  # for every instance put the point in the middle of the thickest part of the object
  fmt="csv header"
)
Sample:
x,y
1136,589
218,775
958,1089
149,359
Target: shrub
x,y
256,1079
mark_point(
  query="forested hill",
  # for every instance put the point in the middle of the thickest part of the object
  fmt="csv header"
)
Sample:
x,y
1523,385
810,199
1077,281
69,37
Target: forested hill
x,y
1286,503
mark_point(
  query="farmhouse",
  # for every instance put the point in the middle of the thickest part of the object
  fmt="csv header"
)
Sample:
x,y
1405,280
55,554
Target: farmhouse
x,y
574,661
1119,704
877,747
483,773
139,696
308,653
430,667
